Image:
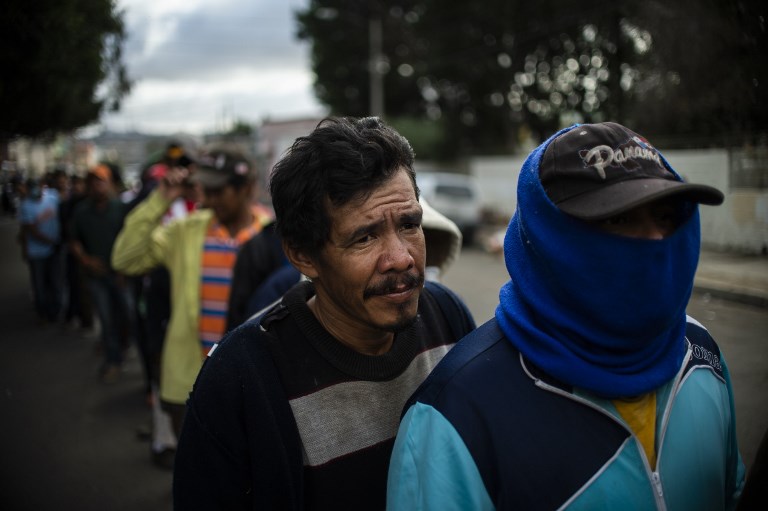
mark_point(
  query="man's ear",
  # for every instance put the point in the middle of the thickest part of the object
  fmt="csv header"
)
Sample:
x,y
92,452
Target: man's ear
x,y
301,261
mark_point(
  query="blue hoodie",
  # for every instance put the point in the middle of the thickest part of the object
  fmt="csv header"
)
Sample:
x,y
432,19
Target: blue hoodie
x,y
519,415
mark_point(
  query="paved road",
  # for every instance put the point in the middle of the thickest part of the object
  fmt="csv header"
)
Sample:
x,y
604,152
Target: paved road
x,y
66,441
69,442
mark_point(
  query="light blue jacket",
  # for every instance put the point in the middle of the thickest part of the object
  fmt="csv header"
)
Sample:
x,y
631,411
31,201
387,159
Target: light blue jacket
x,y
487,430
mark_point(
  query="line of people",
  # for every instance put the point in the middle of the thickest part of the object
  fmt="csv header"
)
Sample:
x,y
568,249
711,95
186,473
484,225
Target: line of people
x,y
45,206
65,228
68,225
589,389
220,264
362,385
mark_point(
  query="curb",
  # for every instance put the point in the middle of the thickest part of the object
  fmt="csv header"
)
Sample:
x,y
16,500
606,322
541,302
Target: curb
x,y
731,294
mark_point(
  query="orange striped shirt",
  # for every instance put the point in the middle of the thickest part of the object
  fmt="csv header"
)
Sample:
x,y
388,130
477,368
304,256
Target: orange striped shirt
x,y
219,254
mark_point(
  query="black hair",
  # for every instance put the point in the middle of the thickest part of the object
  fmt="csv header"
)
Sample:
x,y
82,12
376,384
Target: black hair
x,y
59,171
341,160
34,187
117,175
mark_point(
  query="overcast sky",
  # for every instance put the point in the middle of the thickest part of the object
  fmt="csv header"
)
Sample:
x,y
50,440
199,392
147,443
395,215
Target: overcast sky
x,y
198,65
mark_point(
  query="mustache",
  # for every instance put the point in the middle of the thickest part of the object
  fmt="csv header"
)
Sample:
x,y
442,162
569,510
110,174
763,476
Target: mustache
x,y
392,283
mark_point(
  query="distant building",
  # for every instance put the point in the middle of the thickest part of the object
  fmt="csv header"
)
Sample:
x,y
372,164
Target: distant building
x,y
277,136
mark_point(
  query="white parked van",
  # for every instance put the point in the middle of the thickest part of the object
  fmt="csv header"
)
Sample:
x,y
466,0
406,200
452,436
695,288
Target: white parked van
x,y
455,196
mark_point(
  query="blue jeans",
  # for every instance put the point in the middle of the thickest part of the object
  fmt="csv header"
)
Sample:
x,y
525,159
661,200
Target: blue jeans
x,y
46,276
112,305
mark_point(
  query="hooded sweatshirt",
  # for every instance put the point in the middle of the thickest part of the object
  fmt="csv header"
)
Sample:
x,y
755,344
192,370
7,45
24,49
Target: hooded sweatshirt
x,y
521,413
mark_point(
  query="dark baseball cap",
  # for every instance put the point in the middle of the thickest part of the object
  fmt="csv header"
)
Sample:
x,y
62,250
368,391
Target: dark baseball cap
x,y
220,167
595,171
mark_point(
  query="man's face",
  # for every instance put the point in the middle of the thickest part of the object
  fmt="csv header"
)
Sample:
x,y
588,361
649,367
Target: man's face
x,y
369,275
227,202
61,183
100,189
193,190
78,187
654,221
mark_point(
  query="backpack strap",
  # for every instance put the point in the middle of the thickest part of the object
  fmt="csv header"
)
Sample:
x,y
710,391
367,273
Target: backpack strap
x,y
454,311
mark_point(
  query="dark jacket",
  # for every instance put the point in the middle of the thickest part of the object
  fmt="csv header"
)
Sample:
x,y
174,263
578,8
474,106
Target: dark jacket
x,y
570,449
240,446
256,260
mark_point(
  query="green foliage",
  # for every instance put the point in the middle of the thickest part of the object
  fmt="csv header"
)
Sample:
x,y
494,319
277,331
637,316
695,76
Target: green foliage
x,y
707,82
240,128
339,31
427,137
62,65
487,71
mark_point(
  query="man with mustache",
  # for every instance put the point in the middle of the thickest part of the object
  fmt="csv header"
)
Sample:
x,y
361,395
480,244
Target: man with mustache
x,y
298,408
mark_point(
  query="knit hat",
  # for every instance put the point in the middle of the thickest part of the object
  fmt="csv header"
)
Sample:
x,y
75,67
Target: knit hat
x,y
596,171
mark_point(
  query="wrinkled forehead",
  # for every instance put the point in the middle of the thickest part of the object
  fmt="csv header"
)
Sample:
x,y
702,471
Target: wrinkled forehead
x,y
393,198
355,193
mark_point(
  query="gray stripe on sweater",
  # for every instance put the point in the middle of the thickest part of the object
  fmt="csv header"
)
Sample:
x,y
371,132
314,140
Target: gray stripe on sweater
x,y
344,418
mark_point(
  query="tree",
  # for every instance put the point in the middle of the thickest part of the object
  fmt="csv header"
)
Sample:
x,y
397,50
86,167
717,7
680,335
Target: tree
x,y
240,128
480,70
707,81
62,65
339,32
485,70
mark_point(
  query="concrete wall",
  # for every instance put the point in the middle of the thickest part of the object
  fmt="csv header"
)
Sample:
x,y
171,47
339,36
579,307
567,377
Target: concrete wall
x,y
497,180
31,157
740,224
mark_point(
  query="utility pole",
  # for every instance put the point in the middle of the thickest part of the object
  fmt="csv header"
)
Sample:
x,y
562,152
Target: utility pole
x,y
376,77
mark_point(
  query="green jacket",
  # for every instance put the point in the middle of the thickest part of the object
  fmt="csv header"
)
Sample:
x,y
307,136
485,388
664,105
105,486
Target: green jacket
x,y
144,244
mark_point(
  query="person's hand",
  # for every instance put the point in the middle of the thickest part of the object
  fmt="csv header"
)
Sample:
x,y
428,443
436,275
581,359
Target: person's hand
x,y
45,215
94,265
171,187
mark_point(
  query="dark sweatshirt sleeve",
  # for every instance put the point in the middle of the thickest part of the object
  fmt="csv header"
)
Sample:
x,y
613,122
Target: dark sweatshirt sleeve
x,y
256,260
242,282
239,447
211,469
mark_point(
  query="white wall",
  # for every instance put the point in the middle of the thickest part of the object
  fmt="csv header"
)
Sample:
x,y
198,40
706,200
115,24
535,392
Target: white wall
x,y
740,224
31,157
497,179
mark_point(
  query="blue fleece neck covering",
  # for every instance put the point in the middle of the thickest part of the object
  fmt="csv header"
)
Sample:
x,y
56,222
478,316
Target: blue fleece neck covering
x,y
597,311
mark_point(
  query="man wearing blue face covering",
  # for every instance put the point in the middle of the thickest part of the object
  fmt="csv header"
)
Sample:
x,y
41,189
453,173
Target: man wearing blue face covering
x,y
590,388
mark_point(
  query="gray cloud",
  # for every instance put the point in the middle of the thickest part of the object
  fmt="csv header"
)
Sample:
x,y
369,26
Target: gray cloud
x,y
192,79
214,40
